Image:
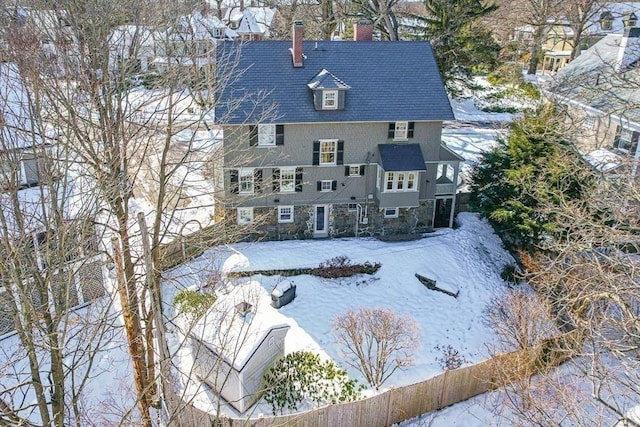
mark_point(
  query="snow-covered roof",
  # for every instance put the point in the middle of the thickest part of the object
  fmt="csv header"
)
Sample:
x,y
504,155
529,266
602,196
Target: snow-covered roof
x,y
125,34
231,335
616,11
16,126
603,160
252,20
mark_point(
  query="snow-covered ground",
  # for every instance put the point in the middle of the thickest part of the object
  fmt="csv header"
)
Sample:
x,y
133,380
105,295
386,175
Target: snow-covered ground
x,y
469,259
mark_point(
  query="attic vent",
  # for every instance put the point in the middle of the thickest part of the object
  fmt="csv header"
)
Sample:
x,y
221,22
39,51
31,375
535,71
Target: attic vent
x,y
243,308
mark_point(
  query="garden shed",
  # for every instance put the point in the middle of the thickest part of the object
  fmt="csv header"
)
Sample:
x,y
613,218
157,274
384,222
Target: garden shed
x,y
233,344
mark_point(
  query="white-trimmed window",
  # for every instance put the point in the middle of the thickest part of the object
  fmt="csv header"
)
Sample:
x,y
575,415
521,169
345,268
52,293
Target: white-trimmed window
x,y
245,216
400,181
328,151
625,140
352,207
267,135
329,99
390,212
354,170
285,213
326,185
245,181
287,180
401,130
7,173
589,121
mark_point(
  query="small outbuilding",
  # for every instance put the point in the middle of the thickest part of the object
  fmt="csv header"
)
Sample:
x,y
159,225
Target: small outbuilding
x,y
236,341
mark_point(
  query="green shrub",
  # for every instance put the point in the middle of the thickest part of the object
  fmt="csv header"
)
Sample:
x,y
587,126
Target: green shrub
x,y
301,376
506,74
193,302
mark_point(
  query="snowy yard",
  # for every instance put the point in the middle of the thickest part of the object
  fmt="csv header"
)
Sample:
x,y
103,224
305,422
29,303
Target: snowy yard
x,y
469,258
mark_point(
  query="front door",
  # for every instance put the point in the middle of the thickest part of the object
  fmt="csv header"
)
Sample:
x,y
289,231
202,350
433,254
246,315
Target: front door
x,y
320,228
442,215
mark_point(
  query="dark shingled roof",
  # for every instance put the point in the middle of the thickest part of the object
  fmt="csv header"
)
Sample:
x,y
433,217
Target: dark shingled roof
x,y
389,81
401,157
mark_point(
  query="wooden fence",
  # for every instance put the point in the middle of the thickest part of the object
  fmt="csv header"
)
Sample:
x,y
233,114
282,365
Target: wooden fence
x,y
402,403
185,248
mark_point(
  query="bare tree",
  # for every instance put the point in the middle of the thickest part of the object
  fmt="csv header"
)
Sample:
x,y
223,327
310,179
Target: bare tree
x,y
376,341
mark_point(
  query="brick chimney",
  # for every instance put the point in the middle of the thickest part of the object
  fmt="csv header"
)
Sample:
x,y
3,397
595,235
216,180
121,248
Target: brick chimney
x,y
363,31
296,51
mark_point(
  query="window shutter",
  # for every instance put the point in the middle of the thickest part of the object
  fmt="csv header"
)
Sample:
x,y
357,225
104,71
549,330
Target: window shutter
x,y
392,130
410,128
346,170
634,143
340,156
253,135
316,152
233,179
279,134
257,180
362,168
616,139
276,180
334,185
298,180
319,185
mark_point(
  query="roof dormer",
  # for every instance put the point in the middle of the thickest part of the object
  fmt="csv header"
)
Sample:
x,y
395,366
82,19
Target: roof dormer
x,y
328,91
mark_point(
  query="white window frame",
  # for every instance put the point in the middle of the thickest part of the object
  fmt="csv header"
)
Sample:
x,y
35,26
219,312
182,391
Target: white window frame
x,y
400,181
352,207
246,181
7,171
244,216
328,148
329,99
401,131
266,135
326,185
390,212
218,32
589,121
287,180
285,214
354,170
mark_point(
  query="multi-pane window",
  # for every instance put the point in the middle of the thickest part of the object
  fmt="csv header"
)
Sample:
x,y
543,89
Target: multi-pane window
x,y
401,130
328,152
589,121
400,181
329,99
326,185
354,170
267,134
352,207
287,180
245,181
626,140
245,216
285,213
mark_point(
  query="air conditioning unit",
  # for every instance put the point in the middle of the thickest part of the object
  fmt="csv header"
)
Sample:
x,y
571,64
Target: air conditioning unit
x,y
364,221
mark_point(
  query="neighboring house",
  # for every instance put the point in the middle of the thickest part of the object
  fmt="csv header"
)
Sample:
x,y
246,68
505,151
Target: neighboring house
x,y
336,138
236,341
26,196
601,89
132,48
556,44
251,23
607,18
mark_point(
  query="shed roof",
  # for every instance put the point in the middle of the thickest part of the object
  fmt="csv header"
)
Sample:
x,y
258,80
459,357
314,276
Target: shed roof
x,y
401,157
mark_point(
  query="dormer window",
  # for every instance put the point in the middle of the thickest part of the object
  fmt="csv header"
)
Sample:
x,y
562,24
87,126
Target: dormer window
x,y
329,92
329,99
606,21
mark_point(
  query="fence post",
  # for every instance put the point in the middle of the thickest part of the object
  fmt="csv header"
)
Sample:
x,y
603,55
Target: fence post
x,y
390,405
444,389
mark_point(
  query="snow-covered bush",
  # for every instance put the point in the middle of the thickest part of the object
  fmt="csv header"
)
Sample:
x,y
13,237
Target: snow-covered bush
x,y
301,376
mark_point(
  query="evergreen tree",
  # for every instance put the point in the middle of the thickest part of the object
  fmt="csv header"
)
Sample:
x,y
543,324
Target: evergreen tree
x,y
460,42
517,184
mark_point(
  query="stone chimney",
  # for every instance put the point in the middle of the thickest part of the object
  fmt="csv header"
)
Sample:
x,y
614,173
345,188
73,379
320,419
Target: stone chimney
x,y
296,51
363,31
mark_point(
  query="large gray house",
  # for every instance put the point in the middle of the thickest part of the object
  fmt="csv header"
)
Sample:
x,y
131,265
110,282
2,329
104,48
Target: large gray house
x,y
335,138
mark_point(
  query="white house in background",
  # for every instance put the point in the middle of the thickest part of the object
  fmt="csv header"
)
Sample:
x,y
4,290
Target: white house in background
x,y
132,47
27,188
236,341
601,89
251,23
